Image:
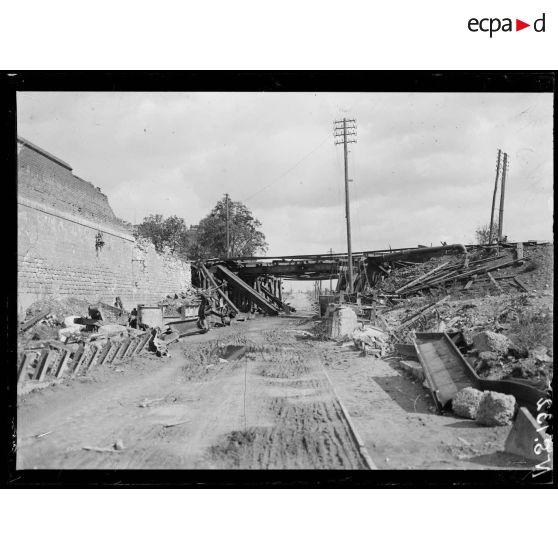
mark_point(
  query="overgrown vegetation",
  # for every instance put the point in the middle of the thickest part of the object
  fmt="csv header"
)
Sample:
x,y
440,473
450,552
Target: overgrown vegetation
x,y
531,329
482,234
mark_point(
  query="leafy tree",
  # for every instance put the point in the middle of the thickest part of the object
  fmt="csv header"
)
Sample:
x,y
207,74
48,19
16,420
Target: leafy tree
x,y
482,234
244,237
170,233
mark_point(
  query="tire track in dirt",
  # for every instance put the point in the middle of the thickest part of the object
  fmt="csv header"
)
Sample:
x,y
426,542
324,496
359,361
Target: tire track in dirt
x,y
310,430
271,407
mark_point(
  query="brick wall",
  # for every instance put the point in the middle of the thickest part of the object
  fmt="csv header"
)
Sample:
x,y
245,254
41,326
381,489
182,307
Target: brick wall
x,y
59,218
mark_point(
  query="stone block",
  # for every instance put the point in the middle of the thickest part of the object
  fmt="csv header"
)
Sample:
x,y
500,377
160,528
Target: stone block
x,y
496,409
341,322
488,341
466,402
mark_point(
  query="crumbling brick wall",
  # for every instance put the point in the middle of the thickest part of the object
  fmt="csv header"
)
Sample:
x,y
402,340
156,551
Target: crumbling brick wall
x,y
60,224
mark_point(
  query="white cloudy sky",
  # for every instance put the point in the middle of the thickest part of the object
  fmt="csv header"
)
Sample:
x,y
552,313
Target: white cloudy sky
x,y
423,167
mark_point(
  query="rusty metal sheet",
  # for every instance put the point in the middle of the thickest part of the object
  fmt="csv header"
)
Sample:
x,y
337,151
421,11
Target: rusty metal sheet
x,y
444,366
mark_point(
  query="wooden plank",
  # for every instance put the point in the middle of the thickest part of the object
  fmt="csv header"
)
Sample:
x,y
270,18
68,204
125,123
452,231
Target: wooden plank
x,y
121,350
29,323
142,343
112,351
62,366
102,354
462,276
76,359
52,362
521,285
422,277
493,281
254,296
212,281
420,313
272,297
84,360
132,345
22,368
40,369
90,362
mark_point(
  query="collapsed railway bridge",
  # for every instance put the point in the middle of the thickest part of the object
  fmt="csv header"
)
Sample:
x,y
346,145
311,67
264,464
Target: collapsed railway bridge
x,y
248,281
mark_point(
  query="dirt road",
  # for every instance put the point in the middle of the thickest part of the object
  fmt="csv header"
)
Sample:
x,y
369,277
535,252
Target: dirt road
x,y
249,396
252,396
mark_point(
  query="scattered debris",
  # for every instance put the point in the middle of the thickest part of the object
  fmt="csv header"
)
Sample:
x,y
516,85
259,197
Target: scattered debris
x,y
148,402
43,434
116,447
175,423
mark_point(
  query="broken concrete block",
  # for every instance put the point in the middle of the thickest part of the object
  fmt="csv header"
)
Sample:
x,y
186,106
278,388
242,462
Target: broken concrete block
x,y
370,336
491,342
466,402
415,368
496,409
66,332
523,437
343,321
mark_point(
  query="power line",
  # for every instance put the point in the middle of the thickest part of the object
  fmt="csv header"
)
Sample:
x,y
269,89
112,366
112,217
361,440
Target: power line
x,y
288,170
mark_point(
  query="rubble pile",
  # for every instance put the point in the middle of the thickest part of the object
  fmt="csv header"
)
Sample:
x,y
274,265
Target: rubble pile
x,y
504,269
400,276
59,335
58,308
371,340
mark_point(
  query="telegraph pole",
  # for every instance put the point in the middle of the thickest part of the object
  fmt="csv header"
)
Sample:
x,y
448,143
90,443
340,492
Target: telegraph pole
x,y
227,223
502,192
344,129
330,284
494,198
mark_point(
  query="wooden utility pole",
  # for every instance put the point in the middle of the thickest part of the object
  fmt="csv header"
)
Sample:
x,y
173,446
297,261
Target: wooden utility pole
x,y
494,198
341,130
502,193
330,283
227,224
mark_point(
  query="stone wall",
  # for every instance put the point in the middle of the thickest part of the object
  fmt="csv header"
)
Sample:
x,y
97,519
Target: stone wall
x,y
59,224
